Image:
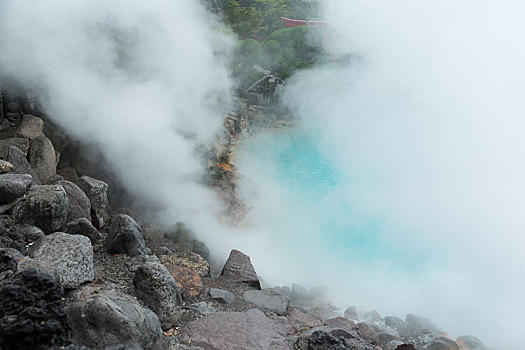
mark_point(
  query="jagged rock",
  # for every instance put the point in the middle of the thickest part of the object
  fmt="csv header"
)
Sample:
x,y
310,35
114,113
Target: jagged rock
x,y
387,334
125,237
155,287
79,205
83,226
69,174
222,295
26,263
268,299
469,342
42,158
70,255
422,322
341,322
367,333
12,239
202,308
282,321
330,338
200,248
97,192
45,206
302,321
239,268
187,269
371,316
13,186
443,343
20,143
235,331
31,312
103,318
351,313
31,127
20,164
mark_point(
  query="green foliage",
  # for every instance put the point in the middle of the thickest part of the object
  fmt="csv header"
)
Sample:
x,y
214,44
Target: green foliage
x,y
271,12
245,21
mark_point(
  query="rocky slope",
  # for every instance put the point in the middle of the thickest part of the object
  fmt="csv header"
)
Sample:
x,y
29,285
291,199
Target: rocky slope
x,y
75,273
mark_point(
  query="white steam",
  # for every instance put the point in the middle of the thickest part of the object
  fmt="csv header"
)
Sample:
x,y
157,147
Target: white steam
x,y
427,119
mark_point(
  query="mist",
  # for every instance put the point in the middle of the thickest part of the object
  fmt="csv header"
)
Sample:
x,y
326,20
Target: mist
x,y
421,110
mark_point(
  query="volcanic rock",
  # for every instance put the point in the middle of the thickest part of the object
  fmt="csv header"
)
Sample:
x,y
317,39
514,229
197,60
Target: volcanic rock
x,y
341,322
268,299
70,255
125,237
79,205
12,239
42,158
20,143
155,287
13,186
332,338
187,269
406,347
351,313
371,316
222,295
69,174
97,192
235,331
239,268
31,127
20,164
104,317
31,312
366,331
388,334
302,321
203,308
83,226
443,343
469,342
45,206
422,322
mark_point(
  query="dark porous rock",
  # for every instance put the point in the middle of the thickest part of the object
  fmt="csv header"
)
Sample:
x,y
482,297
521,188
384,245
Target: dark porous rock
x,y
31,127
406,347
26,263
469,342
70,255
31,312
155,287
20,164
12,239
302,321
131,346
9,260
69,174
42,158
203,308
83,226
268,299
443,343
79,205
19,142
371,316
101,318
222,295
239,268
367,333
187,269
351,313
423,322
97,192
332,338
45,206
125,237
13,186
341,322
235,331
200,248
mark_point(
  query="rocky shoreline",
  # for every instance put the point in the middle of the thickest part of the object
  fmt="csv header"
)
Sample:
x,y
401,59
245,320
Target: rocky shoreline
x,y
78,273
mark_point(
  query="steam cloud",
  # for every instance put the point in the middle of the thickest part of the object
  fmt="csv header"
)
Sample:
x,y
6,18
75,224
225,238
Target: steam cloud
x,y
427,121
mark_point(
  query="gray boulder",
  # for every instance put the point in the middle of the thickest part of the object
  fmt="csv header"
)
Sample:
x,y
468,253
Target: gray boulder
x,y
69,174
19,142
44,206
202,308
155,287
97,192
20,164
70,255
235,331
222,295
42,158
470,342
125,237
302,321
101,318
332,338
31,127
79,205
83,226
268,299
351,313
443,343
14,186
30,233
388,334
239,268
